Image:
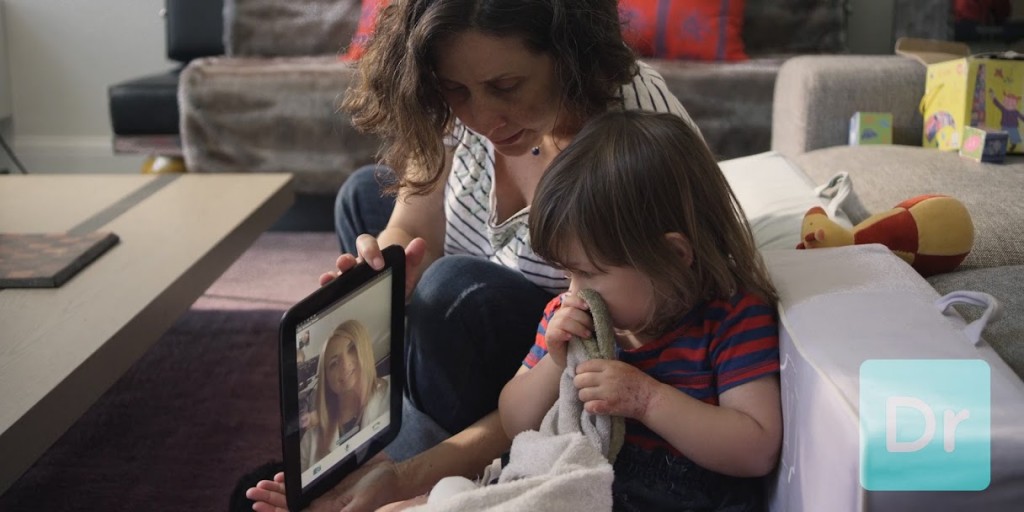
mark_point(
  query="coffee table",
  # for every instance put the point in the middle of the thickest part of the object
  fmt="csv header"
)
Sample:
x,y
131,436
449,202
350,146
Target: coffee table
x,y
61,348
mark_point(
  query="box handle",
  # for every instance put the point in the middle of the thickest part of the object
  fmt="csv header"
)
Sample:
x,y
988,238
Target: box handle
x,y
836,189
993,310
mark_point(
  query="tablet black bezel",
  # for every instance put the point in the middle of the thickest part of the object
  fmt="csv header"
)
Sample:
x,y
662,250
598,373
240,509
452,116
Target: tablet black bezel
x,y
320,300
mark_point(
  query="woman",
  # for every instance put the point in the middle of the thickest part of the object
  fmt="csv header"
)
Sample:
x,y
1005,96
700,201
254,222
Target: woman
x,y
473,99
349,395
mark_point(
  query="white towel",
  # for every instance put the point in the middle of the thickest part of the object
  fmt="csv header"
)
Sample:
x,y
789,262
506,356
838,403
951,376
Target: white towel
x,y
567,415
565,465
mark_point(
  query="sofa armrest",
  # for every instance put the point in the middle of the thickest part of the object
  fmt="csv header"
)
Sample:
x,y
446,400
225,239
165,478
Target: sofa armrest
x,y
816,95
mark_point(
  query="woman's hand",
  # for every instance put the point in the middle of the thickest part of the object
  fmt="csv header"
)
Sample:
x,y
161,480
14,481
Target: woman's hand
x,y
402,505
614,388
372,486
571,319
370,251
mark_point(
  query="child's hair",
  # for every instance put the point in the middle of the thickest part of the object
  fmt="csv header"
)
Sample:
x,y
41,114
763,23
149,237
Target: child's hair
x,y
628,179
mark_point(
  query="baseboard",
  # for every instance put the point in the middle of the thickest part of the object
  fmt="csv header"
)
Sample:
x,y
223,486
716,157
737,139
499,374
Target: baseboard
x,y
73,154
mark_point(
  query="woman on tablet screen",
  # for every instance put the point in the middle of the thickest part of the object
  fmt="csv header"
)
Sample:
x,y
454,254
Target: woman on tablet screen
x,y
349,395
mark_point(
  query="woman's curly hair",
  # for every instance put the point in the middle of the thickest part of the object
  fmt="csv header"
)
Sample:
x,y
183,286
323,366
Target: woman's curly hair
x,y
397,97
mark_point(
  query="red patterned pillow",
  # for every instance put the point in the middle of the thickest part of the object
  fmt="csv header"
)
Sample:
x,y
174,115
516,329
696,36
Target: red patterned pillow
x,y
367,20
684,29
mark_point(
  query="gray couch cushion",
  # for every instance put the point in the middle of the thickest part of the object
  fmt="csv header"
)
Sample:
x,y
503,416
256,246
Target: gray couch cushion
x,y
883,176
1006,336
731,103
272,28
289,123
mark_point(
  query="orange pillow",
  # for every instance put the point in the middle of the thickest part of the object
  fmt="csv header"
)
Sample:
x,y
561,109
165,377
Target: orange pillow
x,y
684,29
367,20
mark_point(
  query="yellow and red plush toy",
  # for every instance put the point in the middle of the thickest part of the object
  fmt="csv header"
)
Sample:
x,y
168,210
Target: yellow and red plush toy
x,y
933,233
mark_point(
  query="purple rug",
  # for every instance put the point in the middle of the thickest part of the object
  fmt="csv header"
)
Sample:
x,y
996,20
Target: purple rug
x,y
198,410
176,432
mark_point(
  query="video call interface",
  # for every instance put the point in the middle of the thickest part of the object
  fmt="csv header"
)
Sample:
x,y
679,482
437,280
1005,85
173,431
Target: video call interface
x,y
343,369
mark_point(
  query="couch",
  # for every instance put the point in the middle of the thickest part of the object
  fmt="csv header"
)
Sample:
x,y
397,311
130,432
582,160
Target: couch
x,y
270,104
814,99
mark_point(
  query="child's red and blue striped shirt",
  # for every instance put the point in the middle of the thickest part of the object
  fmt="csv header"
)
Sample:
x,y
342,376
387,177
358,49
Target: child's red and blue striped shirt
x,y
716,346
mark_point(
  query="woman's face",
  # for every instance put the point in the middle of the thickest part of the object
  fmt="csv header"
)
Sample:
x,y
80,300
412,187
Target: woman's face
x,y
499,89
342,366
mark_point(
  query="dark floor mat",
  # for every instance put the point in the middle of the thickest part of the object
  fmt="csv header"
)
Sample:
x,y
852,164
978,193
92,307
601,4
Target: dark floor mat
x,y
196,412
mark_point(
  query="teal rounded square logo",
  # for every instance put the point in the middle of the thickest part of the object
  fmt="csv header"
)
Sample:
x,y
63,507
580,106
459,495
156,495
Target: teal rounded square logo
x,y
925,425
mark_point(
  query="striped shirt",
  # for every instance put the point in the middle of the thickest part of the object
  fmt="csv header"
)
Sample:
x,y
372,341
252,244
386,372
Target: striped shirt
x,y
471,225
715,347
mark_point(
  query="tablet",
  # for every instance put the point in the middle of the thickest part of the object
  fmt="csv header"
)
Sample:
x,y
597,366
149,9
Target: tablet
x,y
342,374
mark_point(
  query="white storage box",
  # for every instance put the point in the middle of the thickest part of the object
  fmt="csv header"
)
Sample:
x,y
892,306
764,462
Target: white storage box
x,y
842,307
775,195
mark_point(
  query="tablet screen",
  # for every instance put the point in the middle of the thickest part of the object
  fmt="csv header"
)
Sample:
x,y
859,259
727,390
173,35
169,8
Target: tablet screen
x,y
343,370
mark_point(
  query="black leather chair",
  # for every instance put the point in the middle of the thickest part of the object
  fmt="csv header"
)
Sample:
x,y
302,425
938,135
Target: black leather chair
x,y
144,111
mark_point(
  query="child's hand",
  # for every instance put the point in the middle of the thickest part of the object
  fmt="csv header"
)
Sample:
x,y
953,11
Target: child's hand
x,y
614,388
571,319
268,495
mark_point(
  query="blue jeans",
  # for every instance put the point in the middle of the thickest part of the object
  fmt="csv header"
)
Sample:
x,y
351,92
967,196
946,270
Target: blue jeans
x,y
470,323
360,207
662,481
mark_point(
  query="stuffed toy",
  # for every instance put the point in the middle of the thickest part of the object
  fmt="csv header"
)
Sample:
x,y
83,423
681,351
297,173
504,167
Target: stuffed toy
x,y
933,233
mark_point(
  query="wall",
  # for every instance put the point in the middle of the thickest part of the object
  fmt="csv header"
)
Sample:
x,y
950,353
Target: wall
x,y
6,165
5,96
62,55
869,26
873,26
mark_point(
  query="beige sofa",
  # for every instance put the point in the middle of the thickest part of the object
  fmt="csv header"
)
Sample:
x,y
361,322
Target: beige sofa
x,y
270,104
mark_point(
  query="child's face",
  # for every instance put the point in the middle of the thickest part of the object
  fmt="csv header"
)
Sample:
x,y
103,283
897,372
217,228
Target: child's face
x,y
628,293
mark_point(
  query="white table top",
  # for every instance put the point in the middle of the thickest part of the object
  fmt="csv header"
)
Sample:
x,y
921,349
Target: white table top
x,y
61,348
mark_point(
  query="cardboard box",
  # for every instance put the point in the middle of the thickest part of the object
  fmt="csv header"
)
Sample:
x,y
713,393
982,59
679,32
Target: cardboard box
x,y
983,90
983,145
870,128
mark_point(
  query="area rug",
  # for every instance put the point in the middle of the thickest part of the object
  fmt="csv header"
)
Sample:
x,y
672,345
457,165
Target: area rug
x,y
198,410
